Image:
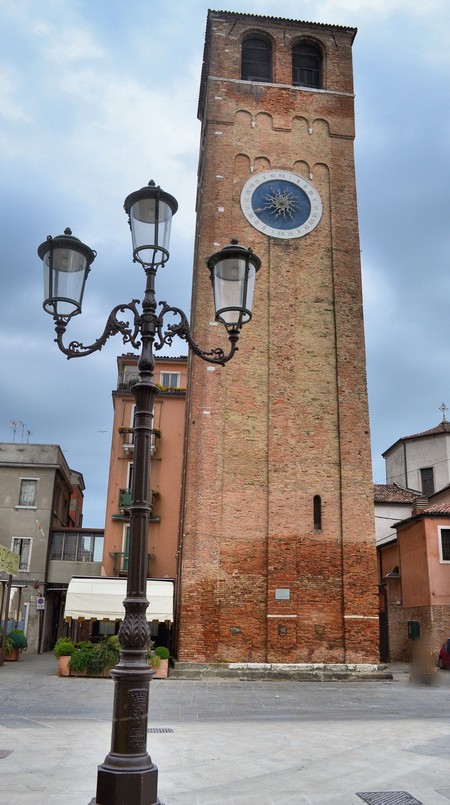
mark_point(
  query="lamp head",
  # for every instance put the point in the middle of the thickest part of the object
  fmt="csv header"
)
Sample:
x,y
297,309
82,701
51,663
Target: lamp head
x,y
233,271
150,212
66,261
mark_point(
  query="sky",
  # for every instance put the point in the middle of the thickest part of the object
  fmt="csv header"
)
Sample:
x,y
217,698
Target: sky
x,y
88,91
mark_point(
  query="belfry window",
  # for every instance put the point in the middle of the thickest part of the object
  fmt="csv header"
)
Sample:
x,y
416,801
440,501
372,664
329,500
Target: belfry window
x,y
306,65
256,60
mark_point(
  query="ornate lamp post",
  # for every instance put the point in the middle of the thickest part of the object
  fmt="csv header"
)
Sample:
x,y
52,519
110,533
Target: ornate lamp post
x,y
128,776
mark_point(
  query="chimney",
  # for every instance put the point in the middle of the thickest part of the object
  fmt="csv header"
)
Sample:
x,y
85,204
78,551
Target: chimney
x,y
420,503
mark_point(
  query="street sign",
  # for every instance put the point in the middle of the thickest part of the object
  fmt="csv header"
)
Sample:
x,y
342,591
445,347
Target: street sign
x,y
40,602
9,561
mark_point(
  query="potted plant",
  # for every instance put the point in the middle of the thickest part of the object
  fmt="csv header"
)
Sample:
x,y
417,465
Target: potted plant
x,y
82,661
11,653
108,652
162,670
14,644
64,648
91,659
152,658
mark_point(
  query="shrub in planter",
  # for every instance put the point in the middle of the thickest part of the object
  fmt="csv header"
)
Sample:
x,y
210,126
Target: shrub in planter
x,y
18,639
85,645
79,660
15,642
162,667
64,647
107,654
95,659
152,657
153,660
9,645
77,663
94,662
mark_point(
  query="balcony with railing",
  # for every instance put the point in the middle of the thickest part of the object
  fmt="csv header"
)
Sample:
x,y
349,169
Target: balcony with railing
x,y
170,382
127,380
120,562
124,503
125,499
128,439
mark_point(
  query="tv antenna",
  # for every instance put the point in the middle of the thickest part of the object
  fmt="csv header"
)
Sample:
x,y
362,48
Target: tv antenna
x,y
15,424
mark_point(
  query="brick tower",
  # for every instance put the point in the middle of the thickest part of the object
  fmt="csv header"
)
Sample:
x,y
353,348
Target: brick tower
x,y
277,559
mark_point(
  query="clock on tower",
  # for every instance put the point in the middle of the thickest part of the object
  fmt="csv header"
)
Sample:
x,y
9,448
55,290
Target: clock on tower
x,y
281,204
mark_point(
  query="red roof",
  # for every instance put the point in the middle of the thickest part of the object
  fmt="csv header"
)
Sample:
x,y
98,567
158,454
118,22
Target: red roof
x,y
393,493
438,508
443,427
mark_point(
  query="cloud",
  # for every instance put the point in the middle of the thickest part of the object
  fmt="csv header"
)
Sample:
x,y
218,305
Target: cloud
x,y
65,47
10,110
98,98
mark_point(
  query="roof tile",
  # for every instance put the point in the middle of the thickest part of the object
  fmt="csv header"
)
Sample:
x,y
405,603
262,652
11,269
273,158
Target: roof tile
x,y
393,493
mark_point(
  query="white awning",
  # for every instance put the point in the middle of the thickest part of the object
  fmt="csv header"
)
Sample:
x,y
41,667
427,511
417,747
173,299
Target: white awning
x,y
101,598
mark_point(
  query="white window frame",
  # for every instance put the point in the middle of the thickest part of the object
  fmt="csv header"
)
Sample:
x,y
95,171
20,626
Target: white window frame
x,y
130,372
170,385
153,444
442,561
22,540
24,505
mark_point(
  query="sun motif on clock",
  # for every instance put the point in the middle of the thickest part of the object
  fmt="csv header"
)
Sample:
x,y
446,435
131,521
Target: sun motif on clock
x,y
281,204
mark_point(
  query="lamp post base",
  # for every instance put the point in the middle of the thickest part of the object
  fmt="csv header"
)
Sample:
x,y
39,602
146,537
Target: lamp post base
x,y
94,802
115,787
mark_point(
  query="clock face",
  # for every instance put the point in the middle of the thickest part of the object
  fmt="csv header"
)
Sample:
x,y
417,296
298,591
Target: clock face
x,y
281,204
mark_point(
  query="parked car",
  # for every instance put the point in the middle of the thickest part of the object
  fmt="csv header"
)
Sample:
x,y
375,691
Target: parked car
x,y
444,655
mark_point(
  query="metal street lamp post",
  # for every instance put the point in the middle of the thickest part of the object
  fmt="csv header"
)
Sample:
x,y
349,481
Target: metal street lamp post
x,y
128,776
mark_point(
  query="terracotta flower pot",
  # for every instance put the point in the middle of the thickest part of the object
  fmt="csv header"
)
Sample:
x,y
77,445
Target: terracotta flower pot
x,y
63,665
162,672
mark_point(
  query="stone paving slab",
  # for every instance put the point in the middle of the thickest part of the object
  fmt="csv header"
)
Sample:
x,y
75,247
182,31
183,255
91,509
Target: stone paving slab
x,y
230,742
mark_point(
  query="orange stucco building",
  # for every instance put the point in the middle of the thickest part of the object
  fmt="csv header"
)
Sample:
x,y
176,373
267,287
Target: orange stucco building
x,y
166,468
415,577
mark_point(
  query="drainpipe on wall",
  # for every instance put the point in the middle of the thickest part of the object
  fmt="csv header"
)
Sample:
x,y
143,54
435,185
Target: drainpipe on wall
x,y
406,465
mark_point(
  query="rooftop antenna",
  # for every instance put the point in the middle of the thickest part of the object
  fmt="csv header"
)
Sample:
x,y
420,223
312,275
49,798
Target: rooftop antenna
x,y
443,408
16,423
13,424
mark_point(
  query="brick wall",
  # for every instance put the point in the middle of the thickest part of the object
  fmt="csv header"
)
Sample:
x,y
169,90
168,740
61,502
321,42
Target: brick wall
x,y
434,629
287,418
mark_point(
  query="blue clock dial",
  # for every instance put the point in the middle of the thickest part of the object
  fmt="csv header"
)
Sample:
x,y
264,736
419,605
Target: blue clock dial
x,y
281,204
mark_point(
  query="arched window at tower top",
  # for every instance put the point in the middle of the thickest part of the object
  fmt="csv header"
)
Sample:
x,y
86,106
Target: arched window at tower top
x,y
306,65
256,62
